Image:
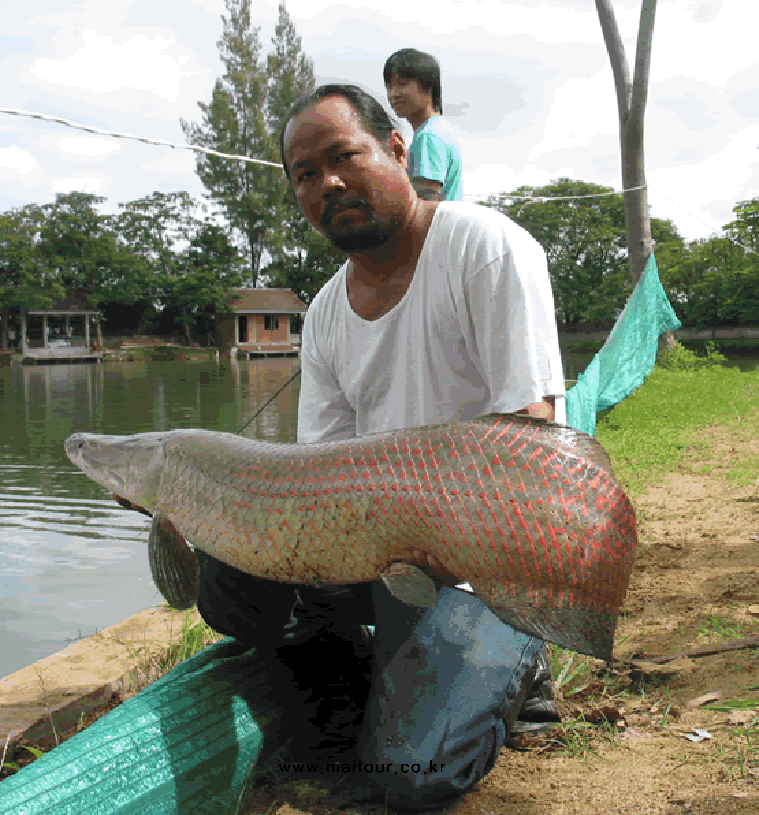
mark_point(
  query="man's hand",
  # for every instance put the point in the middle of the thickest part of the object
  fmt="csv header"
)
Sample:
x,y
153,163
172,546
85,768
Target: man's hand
x,y
541,410
431,565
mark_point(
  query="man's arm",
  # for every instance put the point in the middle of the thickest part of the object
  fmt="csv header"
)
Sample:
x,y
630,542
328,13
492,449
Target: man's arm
x,y
517,354
428,166
428,190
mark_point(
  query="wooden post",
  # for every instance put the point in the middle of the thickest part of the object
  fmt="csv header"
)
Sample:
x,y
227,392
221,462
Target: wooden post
x,y
23,330
44,330
87,331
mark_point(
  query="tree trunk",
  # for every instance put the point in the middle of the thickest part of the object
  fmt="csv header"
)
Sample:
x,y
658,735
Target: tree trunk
x,y
4,330
186,326
631,106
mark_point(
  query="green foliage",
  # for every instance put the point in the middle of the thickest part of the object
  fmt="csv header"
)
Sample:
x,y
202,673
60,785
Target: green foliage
x,y
586,244
80,248
745,227
679,358
191,281
25,281
307,264
714,282
248,104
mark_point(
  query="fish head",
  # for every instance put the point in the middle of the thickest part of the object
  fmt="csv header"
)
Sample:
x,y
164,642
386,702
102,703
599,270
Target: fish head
x,y
130,466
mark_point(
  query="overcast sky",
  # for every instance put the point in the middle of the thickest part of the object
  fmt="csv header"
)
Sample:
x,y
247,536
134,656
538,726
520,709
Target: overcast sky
x,y
527,84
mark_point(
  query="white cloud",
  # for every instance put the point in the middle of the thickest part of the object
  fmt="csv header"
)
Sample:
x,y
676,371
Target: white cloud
x,y
82,146
708,191
178,162
707,41
529,80
18,160
103,65
571,122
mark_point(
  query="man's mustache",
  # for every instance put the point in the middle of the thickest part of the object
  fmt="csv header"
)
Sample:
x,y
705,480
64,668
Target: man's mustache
x,y
336,207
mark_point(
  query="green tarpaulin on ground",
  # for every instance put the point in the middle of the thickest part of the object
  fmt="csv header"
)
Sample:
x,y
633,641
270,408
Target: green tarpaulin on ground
x,y
182,746
628,355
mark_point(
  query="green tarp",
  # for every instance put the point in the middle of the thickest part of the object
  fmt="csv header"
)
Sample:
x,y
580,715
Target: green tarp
x,y
628,355
182,746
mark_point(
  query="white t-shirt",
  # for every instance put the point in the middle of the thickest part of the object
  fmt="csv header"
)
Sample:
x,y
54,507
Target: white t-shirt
x,y
474,333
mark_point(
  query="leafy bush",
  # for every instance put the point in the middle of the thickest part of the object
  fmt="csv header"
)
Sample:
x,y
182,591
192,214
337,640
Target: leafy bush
x,y
680,358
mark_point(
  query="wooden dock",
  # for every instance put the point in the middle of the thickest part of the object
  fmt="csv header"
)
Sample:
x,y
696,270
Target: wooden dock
x,y
59,355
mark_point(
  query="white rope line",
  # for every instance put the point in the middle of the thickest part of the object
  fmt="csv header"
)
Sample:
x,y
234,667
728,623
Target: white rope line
x,y
160,142
542,198
528,199
533,199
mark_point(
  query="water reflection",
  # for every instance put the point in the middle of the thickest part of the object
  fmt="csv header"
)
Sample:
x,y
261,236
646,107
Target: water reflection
x,y
73,561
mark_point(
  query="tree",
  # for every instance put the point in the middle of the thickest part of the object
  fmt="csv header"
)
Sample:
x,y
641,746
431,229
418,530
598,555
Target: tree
x,y
80,248
25,282
290,73
157,227
586,243
248,107
210,270
722,285
235,122
745,227
300,256
307,264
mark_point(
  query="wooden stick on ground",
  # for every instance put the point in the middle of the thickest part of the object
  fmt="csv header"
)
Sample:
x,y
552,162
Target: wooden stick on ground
x,y
707,650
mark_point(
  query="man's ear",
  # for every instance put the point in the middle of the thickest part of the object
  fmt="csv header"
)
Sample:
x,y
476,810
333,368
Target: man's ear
x,y
398,148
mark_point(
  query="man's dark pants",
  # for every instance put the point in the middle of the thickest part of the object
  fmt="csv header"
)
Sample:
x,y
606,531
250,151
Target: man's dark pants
x,y
447,682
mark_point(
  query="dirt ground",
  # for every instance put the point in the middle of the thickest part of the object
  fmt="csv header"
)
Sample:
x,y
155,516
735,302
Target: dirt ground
x,y
696,581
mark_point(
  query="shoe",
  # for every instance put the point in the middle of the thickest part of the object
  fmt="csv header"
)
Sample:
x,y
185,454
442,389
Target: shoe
x,y
540,705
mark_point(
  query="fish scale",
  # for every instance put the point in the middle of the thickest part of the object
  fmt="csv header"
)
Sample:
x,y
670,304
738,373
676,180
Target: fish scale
x,y
526,511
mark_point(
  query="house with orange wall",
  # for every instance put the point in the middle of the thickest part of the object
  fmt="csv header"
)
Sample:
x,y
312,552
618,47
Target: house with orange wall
x,y
258,323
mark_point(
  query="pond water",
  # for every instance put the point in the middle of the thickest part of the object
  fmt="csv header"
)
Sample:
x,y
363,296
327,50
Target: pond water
x,y
72,561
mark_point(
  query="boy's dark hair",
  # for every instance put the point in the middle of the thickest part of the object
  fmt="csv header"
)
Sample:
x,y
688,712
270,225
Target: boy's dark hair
x,y
408,63
370,112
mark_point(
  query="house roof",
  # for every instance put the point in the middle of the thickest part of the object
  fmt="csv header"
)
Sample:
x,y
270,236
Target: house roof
x,y
266,301
74,302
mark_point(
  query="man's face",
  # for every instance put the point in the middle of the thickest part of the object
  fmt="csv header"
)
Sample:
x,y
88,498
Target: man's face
x,y
407,97
350,187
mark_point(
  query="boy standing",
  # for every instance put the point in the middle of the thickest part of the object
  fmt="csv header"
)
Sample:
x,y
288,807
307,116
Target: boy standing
x,y
412,79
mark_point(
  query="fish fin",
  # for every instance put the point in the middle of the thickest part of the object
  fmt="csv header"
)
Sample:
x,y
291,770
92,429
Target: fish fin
x,y
410,585
573,627
173,564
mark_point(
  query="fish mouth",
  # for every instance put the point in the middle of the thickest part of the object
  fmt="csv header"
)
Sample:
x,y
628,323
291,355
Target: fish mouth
x,y
121,464
94,457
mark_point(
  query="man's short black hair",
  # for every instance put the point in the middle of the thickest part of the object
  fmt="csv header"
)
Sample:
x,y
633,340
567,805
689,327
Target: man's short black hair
x,y
408,63
373,117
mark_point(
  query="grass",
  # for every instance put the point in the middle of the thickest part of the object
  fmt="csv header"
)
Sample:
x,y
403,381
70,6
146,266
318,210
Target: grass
x,y
740,756
720,629
648,433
